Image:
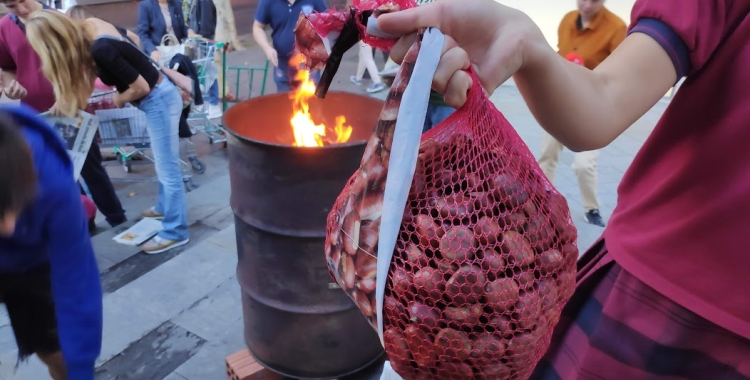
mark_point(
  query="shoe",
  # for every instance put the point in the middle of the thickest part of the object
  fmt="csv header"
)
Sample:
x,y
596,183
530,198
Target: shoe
x,y
355,80
390,70
593,217
215,112
230,97
151,213
159,245
92,225
377,87
117,222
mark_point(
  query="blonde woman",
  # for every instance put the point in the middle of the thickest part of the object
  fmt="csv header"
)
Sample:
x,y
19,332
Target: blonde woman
x,y
91,48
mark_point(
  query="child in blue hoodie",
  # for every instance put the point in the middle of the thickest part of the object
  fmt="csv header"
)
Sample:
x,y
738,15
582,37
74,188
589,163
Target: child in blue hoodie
x,y
49,280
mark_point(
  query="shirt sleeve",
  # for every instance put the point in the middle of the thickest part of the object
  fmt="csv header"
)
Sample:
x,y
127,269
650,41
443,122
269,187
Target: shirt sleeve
x,y
688,30
144,28
263,13
76,287
109,59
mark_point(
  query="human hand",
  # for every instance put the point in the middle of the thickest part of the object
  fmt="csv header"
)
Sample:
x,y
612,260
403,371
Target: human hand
x,y
118,101
55,111
156,56
14,90
272,56
497,40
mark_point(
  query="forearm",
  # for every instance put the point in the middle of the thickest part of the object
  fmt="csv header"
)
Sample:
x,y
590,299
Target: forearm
x,y
586,110
261,38
131,94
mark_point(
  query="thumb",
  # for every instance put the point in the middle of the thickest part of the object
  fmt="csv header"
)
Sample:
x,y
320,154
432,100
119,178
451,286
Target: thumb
x,y
410,20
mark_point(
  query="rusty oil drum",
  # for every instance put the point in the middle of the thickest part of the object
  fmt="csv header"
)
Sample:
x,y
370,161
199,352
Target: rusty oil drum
x,y
297,322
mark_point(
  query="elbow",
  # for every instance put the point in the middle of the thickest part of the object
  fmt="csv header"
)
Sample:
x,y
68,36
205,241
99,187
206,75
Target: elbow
x,y
140,89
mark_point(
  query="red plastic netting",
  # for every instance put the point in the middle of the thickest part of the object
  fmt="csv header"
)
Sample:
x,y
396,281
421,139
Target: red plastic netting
x,y
486,254
313,28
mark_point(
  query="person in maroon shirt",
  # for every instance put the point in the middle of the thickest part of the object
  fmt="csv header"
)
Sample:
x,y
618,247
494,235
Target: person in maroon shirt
x,y
21,79
662,295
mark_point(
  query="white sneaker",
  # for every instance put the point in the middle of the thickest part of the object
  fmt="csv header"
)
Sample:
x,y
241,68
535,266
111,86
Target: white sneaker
x,y
214,111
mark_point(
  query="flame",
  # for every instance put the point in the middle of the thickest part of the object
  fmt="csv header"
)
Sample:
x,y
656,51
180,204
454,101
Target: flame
x,y
306,132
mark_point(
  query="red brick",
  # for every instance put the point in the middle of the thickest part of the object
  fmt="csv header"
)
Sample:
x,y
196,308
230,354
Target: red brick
x,y
242,366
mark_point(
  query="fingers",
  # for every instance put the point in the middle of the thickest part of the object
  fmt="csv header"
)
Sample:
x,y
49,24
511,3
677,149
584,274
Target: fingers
x,y
15,90
409,20
452,61
457,88
398,51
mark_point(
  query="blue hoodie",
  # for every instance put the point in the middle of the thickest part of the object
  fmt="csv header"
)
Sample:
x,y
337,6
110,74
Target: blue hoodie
x,y
54,229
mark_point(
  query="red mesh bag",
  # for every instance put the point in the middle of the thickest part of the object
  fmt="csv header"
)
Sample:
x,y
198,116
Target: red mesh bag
x,y
485,255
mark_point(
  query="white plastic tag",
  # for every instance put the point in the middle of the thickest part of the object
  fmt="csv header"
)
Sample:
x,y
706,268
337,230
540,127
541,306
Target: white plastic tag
x,y
403,159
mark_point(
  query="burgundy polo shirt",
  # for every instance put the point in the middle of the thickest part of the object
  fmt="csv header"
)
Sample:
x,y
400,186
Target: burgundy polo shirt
x,y
683,209
16,54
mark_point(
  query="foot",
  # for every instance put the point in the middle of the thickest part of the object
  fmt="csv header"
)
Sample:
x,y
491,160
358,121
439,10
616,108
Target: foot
x,y
390,71
214,111
117,222
593,217
159,245
152,213
377,87
355,80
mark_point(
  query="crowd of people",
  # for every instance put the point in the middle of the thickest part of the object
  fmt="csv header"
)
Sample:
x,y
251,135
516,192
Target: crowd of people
x,y
50,61
658,296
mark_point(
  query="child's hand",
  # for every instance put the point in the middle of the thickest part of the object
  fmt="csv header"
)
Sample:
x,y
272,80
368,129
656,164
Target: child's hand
x,y
498,40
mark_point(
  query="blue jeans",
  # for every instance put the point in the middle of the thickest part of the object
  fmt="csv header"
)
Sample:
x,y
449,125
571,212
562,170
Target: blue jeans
x,y
283,77
163,107
435,115
213,94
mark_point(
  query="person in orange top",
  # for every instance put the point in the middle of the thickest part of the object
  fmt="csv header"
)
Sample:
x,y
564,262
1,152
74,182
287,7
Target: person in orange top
x,y
586,36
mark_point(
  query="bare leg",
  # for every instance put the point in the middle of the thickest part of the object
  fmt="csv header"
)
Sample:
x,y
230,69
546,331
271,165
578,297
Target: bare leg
x,y
56,365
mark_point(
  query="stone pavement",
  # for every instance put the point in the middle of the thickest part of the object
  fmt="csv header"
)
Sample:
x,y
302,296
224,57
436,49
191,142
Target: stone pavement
x,y
177,315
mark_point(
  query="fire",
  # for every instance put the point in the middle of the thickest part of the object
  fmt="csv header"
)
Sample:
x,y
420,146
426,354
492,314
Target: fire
x,y
306,132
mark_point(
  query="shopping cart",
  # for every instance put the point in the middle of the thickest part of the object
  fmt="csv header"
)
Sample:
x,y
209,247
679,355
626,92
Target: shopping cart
x,y
124,130
202,53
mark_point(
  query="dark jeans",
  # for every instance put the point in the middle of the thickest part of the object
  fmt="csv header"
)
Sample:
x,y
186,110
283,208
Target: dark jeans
x,y
100,186
284,79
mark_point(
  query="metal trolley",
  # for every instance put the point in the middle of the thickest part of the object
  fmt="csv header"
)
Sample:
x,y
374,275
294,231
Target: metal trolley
x,y
202,53
125,130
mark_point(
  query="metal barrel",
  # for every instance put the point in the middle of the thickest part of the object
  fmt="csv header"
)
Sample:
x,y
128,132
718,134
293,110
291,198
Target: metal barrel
x,y
297,322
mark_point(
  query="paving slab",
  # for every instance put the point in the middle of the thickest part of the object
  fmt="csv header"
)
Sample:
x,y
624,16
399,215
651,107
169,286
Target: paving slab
x,y
177,284
125,322
227,238
208,363
214,315
141,263
154,356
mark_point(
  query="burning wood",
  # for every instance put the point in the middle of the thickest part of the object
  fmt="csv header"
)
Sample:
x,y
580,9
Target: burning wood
x,y
306,132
